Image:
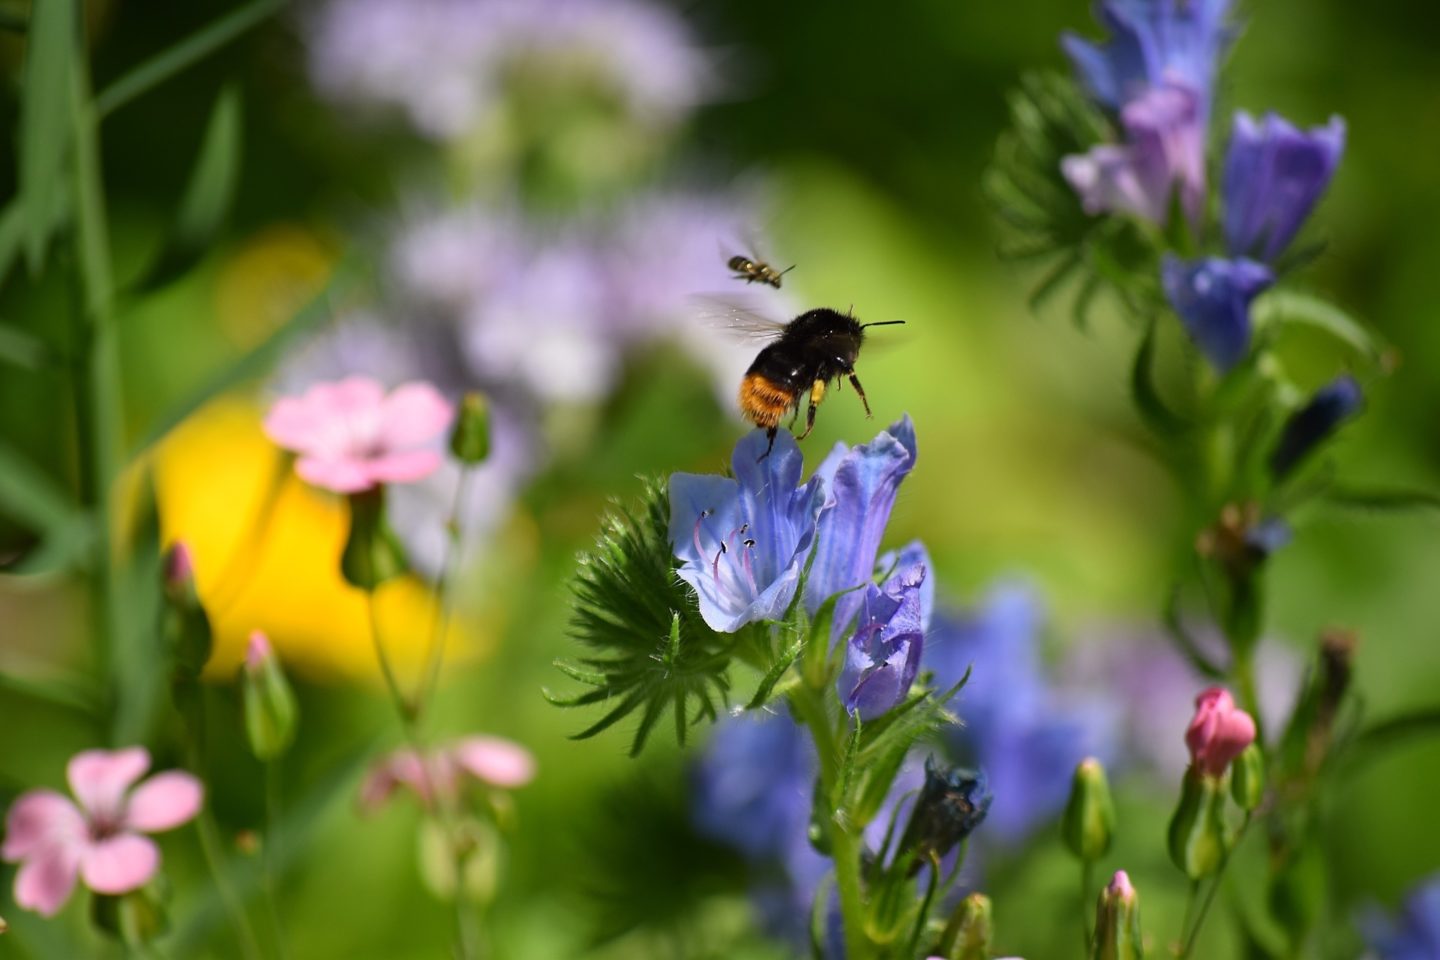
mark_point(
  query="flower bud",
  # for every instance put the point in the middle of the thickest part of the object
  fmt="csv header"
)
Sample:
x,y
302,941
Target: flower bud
x,y
1117,922
1247,779
952,803
968,934
1312,424
134,918
1197,829
470,440
1218,732
1089,821
185,626
372,554
270,711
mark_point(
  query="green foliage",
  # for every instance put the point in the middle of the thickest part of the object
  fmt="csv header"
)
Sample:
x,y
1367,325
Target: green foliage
x,y
44,137
651,650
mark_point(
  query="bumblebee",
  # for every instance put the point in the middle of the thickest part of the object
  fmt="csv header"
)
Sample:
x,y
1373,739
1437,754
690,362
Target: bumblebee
x,y
752,270
809,352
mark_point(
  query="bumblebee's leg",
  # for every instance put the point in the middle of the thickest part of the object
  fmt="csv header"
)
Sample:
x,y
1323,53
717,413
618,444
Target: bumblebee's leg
x,y
794,415
817,393
770,435
855,382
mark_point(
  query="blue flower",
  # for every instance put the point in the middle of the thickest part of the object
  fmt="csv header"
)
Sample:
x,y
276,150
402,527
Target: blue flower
x,y
1212,297
952,803
1274,174
861,484
1152,42
1313,423
1415,933
882,655
743,542
1026,732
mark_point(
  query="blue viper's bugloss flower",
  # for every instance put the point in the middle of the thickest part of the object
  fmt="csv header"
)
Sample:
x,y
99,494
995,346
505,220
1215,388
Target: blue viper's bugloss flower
x,y
1153,43
1026,732
952,803
1164,152
1212,297
1313,423
742,542
861,484
1274,175
882,655
1412,935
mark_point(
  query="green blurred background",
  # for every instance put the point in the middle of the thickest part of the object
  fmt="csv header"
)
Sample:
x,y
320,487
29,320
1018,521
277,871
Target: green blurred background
x,y
874,124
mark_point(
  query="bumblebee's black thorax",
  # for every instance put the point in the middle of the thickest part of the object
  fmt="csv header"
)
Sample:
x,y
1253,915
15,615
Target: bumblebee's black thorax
x,y
819,344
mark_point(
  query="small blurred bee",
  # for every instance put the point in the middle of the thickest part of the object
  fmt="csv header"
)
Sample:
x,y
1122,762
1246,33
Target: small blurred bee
x,y
815,348
752,270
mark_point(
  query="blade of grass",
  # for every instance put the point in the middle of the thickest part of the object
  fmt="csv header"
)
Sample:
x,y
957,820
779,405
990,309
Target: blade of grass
x,y
44,131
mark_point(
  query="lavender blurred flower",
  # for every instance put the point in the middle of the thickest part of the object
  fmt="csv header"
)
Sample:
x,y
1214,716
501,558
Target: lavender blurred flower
x,y
1212,297
449,64
1153,43
1025,731
743,541
882,656
1414,934
1164,152
1313,423
1274,174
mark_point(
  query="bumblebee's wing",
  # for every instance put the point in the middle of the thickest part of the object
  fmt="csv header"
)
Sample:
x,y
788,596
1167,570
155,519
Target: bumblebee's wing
x,y
742,317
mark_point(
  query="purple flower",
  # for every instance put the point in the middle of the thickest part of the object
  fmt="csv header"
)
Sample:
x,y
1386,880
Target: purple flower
x,y
1164,152
882,655
1274,174
1412,935
1313,423
743,541
1212,297
861,485
1152,43
1025,731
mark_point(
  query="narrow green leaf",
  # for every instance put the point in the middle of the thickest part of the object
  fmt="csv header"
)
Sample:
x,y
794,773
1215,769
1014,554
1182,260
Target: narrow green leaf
x,y
1157,416
1054,279
70,694
1276,309
773,675
12,235
28,495
208,196
44,128
188,52
1384,501
1184,641
21,349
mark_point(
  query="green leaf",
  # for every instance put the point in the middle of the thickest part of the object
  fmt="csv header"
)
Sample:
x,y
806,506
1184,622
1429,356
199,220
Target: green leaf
x,y
181,56
31,497
773,675
208,196
1383,501
44,136
22,349
1153,411
1276,309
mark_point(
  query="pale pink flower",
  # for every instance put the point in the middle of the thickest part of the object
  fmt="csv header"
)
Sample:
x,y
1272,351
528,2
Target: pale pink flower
x,y
1218,733
443,772
99,841
352,436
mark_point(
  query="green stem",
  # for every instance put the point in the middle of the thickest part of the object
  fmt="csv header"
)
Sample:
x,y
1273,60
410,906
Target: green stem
x,y
1214,888
1191,899
444,593
270,853
387,669
1087,904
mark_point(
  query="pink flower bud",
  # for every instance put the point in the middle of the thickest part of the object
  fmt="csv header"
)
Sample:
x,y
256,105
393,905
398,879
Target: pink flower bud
x,y
1219,732
257,651
1120,887
179,567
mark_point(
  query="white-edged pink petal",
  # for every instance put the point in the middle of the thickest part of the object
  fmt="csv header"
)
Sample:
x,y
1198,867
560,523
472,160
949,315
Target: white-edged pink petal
x,y
46,879
405,466
349,475
120,863
100,778
164,802
39,819
413,415
495,760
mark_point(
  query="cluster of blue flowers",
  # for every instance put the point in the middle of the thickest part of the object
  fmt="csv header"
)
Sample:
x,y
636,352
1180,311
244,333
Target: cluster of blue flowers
x,y
1157,75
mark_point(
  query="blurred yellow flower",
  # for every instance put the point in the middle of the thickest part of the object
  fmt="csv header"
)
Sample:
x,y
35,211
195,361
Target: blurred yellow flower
x,y
266,549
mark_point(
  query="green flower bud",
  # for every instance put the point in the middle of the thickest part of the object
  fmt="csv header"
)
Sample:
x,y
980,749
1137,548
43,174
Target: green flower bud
x,y
1247,783
1197,830
270,712
135,918
470,440
1117,922
968,934
1089,822
185,626
372,554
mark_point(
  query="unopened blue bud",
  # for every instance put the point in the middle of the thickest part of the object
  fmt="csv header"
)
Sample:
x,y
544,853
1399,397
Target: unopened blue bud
x,y
952,803
1312,424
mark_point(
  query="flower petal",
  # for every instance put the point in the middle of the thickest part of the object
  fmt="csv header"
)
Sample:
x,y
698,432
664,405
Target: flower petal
x,y
412,415
495,760
405,466
46,880
39,819
100,778
1212,297
341,476
119,864
164,802
1274,176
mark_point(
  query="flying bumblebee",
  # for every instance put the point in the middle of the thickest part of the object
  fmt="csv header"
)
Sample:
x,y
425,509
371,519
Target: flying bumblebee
x,y
815,348
753,270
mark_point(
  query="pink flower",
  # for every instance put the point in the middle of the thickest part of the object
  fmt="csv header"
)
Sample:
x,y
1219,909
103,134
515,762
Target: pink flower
x,y
99,840
352,436
1219,732
443,772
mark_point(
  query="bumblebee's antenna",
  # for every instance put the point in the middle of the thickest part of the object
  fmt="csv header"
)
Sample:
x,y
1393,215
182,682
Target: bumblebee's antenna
x,y
881,323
